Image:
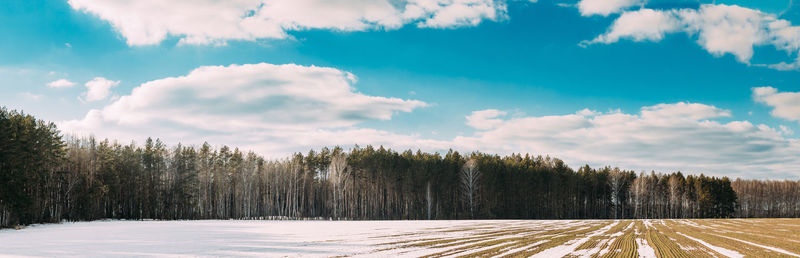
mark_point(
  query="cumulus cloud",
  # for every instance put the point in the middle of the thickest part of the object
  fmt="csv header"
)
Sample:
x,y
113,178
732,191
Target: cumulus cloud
x,y
605,7
485,119
720,29
148,22
453,13
60,83
280,109
273,108
784,105
683,110
726,29
665,137
640,25
99,88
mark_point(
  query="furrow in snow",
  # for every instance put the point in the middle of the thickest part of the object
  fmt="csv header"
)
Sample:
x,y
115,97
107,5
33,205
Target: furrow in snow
x,y
723,251
560,251
762,246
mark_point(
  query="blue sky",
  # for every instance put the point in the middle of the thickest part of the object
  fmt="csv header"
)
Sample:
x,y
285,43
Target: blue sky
x,y
423,80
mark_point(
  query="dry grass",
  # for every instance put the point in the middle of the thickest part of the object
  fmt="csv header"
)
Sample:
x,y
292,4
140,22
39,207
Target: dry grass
x,y
778,233
624,245
604,238
512,240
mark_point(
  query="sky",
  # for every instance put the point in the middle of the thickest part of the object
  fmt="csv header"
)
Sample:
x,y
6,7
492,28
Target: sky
x,y
665,85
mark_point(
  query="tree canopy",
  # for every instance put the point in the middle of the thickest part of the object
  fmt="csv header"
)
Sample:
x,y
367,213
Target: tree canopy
x,y
47,178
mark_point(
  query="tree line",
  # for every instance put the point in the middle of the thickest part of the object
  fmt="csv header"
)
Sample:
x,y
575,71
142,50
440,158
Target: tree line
x,y
45,177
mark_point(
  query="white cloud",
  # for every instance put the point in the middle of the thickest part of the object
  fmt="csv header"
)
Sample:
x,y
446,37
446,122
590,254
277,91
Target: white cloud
x,y
785,130
664,137
732,29
30,96
683,110
98,88
785,105
148,22
275,109
280,109
485,119
453,13
60,83
640,25
588,112
720,29
605,7
784,66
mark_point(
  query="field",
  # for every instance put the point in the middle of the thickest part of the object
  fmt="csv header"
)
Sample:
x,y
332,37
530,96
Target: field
x,y
487,238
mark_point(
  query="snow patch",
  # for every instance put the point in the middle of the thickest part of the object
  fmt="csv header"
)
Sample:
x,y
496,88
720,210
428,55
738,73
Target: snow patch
x,y
693,224
723,251
563,250
762,246
647,223
644,249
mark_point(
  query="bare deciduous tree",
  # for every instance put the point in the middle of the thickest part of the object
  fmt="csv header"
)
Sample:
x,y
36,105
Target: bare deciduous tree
x,y
616,182
338,177
470,176
675,195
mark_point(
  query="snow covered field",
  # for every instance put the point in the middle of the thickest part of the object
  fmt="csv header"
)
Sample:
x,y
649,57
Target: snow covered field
x,y
538,238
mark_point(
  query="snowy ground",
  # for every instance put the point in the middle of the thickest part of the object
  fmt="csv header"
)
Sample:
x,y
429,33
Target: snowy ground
x,y
206,237
545,238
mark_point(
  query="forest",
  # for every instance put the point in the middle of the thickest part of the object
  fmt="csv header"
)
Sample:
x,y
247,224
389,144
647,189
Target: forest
x,y
47,177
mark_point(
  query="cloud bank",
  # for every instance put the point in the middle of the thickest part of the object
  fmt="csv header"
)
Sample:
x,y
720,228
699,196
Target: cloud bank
x,y
148,22
280,109
720,30
665,137
275,109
